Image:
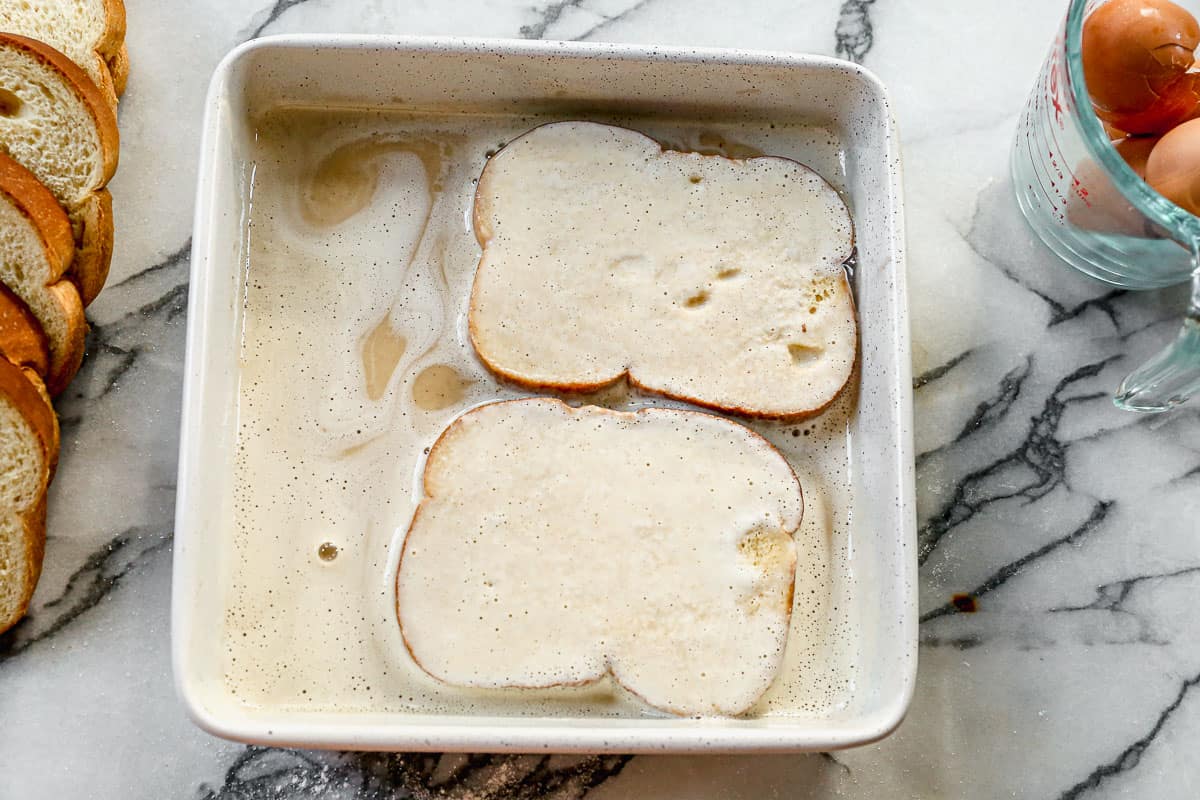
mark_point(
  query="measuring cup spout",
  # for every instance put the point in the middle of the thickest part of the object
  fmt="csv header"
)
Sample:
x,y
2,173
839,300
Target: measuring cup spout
x,y
1171,376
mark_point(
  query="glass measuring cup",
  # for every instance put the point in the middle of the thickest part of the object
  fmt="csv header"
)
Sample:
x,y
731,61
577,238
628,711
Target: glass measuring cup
x,y
1091,209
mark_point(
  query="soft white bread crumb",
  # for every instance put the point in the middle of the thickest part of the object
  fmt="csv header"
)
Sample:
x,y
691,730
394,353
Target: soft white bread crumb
x,y
557,545
708,279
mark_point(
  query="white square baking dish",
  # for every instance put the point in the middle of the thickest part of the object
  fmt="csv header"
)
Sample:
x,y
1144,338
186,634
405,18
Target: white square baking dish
x,y
553,80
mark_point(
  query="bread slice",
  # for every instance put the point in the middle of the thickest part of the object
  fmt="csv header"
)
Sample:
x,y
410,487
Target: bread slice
x,y
22,340
28,451
54,121
713,280
555,545
22,547
89,32
35,248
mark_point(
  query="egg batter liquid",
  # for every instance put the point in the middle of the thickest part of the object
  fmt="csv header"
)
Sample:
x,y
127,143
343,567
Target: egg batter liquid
x,y
359,257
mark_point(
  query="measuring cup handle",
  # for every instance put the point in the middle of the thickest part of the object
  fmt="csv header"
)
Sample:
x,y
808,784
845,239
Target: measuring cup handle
x,y
1173,375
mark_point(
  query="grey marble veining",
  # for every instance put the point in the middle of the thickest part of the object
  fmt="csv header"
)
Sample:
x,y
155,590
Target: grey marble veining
x,y
1059,538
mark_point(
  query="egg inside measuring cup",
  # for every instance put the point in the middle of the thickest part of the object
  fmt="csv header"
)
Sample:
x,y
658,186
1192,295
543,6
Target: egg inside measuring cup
x,y
1139,65
1136,56
1173,168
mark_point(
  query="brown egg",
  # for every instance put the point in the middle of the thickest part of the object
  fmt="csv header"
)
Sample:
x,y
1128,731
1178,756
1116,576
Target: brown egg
x,y
1173,168
1133,50
1136,152
1178,103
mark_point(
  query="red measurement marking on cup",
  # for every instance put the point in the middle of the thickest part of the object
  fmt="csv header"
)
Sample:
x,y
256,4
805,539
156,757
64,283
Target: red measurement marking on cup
x,y
1040,156
1081,191
1046,193
1059,164
1055,98
1057,101
1049,109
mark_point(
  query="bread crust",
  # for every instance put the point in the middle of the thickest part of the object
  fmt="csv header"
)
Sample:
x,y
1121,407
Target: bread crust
x,y
105,82
113,39
93,258
34,201
55,442
481,224
61,372
118,68
456,424
22,339
111,56
35,531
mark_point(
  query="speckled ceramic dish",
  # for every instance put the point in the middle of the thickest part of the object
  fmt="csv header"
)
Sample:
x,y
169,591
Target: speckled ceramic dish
x,y
305,651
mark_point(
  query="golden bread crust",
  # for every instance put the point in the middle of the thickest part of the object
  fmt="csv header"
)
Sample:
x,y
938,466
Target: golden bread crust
x,y
94,256
22,339
118,68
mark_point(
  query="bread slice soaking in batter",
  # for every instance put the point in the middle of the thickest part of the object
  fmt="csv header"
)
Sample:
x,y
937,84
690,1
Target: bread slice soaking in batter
x,y
713,280
557,545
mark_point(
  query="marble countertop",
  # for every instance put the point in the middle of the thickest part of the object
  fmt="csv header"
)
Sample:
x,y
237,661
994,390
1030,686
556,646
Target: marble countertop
x,y
1072,525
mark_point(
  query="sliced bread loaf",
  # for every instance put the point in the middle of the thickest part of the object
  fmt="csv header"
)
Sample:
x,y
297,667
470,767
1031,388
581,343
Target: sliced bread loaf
x,y
54,121
557,545
89,32
28,451
713,280
35,248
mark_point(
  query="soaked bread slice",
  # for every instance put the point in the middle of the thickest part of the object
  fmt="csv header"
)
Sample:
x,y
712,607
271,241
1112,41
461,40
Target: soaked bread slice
x,y
557,545
55,122
712,280
28,452
35,248
89,32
